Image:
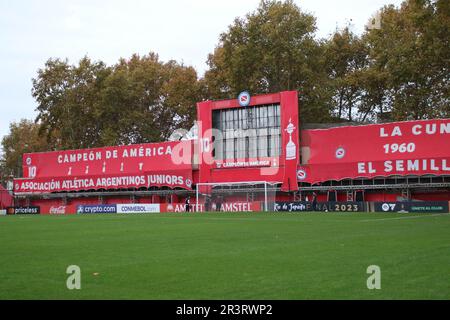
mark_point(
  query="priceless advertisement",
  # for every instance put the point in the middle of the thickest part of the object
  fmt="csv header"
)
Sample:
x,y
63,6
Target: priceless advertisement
x,y
303,206
412,207
24,210
138,208
399,148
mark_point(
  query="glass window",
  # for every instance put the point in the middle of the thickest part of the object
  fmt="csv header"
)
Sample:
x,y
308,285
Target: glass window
x,y
271,116
253,147
260,138
264,117
262,143
275,145
244,119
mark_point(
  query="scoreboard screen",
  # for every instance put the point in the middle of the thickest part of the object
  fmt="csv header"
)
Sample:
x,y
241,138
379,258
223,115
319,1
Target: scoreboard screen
x,y
244,133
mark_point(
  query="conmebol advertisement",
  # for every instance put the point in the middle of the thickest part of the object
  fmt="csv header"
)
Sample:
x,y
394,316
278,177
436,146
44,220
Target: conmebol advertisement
x,y
399,148
139,208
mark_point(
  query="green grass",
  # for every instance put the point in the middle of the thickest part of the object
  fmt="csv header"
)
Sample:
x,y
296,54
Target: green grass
x,y
226,256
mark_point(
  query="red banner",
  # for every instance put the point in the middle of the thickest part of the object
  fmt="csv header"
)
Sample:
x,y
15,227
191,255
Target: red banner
x,y
400,148
132,159
174,179
290,135
58,209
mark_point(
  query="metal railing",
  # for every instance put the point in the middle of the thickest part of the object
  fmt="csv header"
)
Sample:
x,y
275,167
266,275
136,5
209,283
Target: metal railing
x,y
390,183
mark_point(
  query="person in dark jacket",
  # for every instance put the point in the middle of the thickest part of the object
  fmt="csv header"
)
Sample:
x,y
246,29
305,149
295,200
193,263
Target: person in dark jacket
x,y
187,205
218,203
207,204
314,201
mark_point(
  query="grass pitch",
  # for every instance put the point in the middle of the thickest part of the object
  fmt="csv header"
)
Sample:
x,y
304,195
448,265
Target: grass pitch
x,y
226,256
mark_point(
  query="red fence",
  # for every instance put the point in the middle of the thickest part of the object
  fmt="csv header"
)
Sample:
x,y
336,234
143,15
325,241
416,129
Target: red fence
x,y
6,199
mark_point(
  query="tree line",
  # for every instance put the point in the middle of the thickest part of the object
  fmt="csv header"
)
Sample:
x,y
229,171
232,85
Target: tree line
x,y
397,69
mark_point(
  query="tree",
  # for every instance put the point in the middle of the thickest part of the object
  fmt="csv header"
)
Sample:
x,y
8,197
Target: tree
x,y
23,138
67,98
273,49
410,60
400,69
92,105
144,100
346,57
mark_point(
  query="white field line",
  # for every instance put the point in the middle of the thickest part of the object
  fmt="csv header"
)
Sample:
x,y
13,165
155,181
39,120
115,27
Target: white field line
x,y
407,217
301,220
270,218
262,219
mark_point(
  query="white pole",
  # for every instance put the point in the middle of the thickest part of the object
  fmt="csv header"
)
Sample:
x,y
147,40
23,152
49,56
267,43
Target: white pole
x,y
265,196
196,197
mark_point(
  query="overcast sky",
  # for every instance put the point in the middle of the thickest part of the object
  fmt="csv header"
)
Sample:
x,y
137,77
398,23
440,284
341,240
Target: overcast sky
x,y
31,31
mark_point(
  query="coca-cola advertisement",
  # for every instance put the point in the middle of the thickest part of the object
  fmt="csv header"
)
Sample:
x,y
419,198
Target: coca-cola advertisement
x,y
57,210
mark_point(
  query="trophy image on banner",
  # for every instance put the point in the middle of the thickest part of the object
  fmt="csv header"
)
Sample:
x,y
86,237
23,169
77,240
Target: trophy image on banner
x,y
291,148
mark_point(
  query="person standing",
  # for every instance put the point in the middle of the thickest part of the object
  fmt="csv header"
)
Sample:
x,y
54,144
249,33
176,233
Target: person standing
x,y
187,204
314,201
219,203
207,204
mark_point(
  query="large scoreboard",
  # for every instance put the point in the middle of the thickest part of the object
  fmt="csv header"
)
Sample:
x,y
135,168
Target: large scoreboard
x,y
253,141
247,133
